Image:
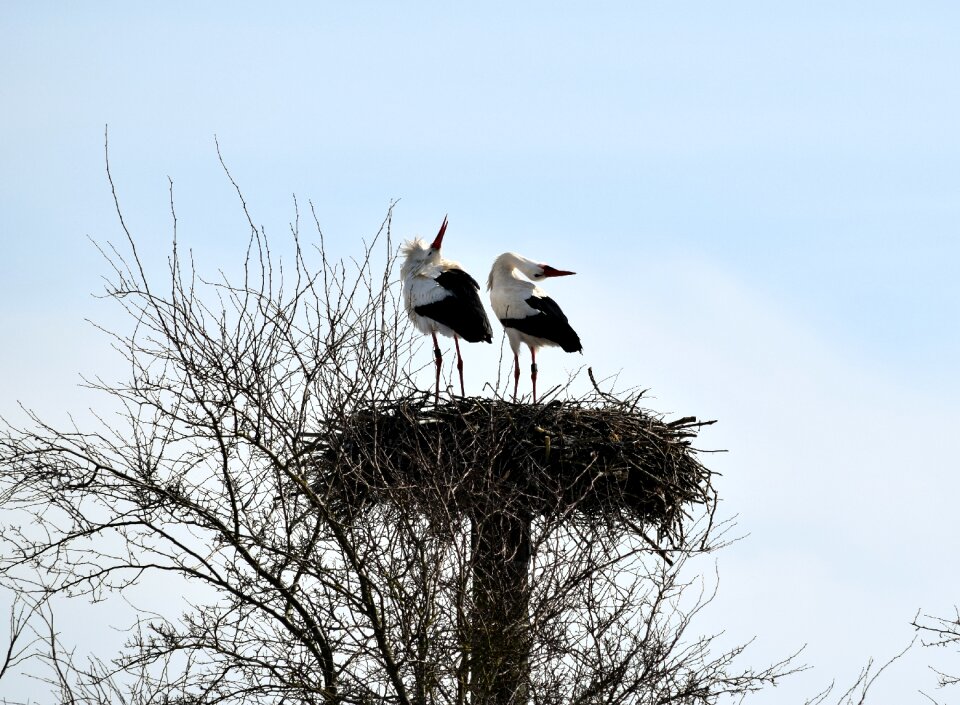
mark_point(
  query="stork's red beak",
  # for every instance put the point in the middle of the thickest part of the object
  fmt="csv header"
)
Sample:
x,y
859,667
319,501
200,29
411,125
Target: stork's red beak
x,y
439,239
549,271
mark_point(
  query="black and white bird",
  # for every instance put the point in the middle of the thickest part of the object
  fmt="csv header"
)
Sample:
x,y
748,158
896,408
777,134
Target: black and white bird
x,y
442,298
528,315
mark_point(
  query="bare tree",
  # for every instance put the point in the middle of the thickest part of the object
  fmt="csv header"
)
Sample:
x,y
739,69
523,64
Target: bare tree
x,y
360,543
21,640
858,692
942,633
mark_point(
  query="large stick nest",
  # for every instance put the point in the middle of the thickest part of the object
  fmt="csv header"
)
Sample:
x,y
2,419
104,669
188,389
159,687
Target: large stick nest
x,y
595,458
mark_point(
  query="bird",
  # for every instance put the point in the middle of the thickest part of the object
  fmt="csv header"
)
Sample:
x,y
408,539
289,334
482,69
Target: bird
x,y
440,297
528,315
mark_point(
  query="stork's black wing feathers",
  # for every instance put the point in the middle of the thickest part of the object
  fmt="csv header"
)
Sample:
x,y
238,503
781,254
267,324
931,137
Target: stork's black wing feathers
x,y
461,309
550,323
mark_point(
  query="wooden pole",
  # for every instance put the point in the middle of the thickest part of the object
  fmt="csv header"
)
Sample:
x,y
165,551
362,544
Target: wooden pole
x,y
500,643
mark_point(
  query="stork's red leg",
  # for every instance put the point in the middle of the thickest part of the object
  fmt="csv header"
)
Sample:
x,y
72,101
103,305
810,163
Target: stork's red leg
x,y
516,374
533,372
439,359
456,342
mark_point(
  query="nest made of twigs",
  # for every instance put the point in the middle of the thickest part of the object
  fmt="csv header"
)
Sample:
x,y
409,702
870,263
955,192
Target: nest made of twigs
x,y
595,458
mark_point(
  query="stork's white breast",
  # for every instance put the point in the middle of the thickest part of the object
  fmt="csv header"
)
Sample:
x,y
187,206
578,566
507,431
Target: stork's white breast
x,y
509,300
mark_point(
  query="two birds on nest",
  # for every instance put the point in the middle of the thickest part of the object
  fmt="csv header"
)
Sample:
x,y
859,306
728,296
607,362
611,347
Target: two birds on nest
x,y
440,297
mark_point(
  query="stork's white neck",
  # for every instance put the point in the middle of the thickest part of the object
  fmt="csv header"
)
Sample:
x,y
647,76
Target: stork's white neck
x,y
513,266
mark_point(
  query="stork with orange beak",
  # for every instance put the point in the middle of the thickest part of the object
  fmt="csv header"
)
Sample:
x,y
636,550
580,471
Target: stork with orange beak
x,y
440,297
528,315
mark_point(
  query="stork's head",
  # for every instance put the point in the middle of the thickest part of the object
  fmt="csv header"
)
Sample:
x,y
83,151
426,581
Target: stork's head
x,y
534,271
418,254
543,271
509,263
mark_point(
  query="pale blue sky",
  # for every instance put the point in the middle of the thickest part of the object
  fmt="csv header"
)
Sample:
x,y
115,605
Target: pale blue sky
x,y
809,149
768,191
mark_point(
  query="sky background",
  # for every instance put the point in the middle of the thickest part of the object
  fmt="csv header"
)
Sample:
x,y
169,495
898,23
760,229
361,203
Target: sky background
x,y
760,199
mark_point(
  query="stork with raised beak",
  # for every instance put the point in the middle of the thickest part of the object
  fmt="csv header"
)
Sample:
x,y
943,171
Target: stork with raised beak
x,y
440,297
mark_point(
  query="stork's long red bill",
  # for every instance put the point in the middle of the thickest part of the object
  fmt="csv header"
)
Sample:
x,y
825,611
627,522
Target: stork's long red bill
x,y
549,271
439,239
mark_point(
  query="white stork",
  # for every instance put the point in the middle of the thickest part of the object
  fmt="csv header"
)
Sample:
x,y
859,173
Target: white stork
x,y
442,298
526,312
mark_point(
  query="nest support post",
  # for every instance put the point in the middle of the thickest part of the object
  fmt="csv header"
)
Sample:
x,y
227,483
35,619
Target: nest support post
x,y
500,639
